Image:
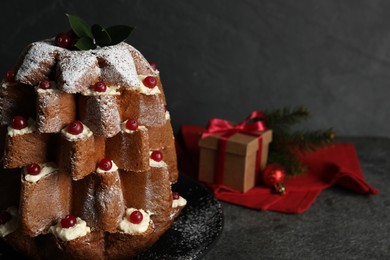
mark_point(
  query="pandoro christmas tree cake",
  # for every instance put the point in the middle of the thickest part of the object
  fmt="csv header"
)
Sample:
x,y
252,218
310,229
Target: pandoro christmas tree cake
x,y
89,155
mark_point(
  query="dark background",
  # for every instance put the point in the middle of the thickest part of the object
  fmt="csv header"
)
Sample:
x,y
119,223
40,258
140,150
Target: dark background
x,y
227,58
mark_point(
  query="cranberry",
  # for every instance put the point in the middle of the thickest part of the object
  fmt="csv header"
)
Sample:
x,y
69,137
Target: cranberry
x,y
68,221
100,86
45,84
157,156
175,195
19,122
150,81
136,217
63,40
153,65
75,128
10,75
132,124
165,108
105,164
4,217
73,39
33,169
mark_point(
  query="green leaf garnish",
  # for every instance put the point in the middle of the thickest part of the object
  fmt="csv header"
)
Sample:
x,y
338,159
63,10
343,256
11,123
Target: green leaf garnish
x,y
85,43
101,36
92,36
119,33
79,26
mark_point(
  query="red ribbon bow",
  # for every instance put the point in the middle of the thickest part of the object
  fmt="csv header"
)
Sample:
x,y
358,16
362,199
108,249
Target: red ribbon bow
x,y
217,125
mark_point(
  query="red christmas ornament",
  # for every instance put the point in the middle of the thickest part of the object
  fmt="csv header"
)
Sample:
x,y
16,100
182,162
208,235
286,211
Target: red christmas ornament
x,y
273,176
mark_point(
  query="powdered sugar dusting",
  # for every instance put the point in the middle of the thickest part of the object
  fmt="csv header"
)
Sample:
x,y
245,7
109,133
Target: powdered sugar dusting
x,y
88,211
38,62
142,65
51,100
109,199
117,66
102,115
77,71
195,230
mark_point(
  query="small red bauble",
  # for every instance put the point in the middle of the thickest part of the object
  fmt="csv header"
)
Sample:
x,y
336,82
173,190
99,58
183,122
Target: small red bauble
x,y
156,156
5,216
105,164
100,86
63,40
75,128
153,65
68,221
33,169
150,81
132,124
45,84
175,195
19,122
273,176
10,75
136,217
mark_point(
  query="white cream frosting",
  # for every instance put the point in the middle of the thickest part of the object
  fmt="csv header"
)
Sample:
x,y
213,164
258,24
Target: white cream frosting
x,y
153,163
46,169
66,234
12,224
27,130
6,84
144,89
126,226
125,130
180,202
111,90
167,116
84,134
53,88
113,168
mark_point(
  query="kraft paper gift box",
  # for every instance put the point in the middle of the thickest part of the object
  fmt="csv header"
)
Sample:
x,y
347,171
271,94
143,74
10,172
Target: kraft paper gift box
x,y
240,162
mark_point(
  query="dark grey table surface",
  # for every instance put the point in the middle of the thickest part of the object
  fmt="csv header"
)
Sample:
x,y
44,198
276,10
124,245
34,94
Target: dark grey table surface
x,y
339,225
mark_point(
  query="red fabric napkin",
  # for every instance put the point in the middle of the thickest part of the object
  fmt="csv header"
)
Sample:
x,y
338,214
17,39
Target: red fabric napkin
x,y
336,164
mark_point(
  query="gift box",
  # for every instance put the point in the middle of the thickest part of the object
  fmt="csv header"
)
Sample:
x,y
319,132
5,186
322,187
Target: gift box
x,y
239,161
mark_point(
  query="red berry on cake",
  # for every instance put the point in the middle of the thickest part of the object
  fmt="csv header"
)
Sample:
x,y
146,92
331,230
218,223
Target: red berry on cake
x,y
175,195
153,65
73,39
45,84
132,124
5,216
19,122
157,156
105,164
63,40
150,82
10,75
68,221
136,217
33,169
75,128
100,86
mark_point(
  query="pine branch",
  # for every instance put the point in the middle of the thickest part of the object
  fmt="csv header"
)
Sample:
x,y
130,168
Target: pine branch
x,y
288,160
286,117
286,146
304,140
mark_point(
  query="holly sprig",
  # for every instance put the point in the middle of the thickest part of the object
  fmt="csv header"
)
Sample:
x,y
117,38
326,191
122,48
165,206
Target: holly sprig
x,y
89,37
